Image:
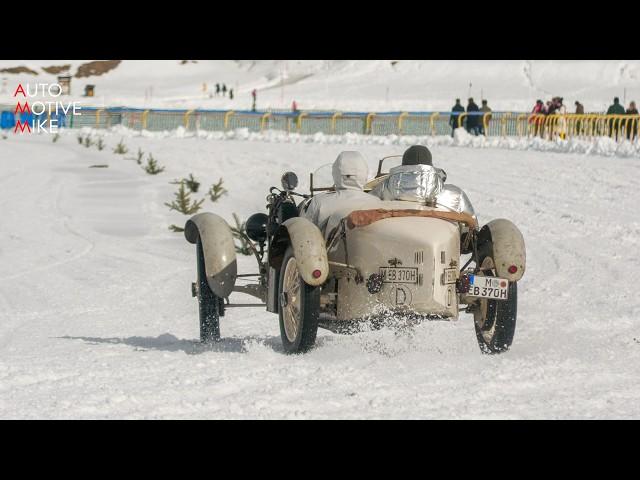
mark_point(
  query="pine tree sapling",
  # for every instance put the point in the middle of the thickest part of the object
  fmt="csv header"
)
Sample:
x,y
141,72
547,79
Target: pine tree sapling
x,y
80,139
183,202
192,183
55,138
237,232
175,228
121,148
88,142
152,167
216,191
140,155
100,144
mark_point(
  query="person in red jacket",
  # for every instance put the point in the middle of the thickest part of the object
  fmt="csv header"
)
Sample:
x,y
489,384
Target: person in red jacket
x,y
537,120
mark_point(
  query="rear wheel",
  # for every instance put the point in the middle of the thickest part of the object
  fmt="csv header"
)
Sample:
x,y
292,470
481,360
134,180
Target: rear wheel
x,y
299,308
495,320
208,302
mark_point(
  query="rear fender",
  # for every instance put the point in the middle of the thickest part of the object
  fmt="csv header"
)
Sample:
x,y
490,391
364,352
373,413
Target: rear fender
x,y
507,243
308,248
219,250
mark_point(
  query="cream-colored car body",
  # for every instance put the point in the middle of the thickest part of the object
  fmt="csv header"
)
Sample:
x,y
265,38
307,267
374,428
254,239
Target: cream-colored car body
x,y
218,248
430,247
508,248
308,246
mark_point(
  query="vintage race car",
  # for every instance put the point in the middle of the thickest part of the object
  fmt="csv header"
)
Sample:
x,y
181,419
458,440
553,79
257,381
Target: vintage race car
x,y
401,260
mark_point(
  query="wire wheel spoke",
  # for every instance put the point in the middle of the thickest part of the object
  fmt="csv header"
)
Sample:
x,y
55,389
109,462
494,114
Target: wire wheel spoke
x,y
291,311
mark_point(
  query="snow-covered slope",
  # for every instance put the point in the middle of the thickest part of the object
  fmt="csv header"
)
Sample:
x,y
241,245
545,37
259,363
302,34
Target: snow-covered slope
x,y
97,319
364,85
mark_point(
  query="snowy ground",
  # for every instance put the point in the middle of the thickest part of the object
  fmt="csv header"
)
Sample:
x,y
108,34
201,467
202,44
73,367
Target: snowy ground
x,y
97,320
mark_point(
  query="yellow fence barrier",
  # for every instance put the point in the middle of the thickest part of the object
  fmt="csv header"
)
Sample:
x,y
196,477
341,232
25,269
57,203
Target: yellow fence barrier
x,y
263,121
583,126
400,118
185,119
492,124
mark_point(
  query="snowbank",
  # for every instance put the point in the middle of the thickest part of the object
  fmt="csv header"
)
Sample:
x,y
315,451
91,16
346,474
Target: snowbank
x,y
603,146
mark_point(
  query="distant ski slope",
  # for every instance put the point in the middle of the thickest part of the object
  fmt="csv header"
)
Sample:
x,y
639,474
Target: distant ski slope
x,y
368,85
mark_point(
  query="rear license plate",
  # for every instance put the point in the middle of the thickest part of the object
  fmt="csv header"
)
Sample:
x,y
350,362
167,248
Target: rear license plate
x,y
399,275
488,287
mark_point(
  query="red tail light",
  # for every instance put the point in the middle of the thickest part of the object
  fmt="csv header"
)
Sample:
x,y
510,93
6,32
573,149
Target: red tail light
x,y
316,273
513,269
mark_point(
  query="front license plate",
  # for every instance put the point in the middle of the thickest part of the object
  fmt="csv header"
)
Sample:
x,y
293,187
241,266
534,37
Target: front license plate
x,y
399,275
488,287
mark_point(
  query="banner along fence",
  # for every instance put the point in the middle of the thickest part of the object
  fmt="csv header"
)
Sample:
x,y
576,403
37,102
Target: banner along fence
x,y
505,124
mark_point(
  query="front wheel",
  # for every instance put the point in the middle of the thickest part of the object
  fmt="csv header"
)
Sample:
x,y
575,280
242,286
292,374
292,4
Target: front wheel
x,y
299,308
495,320
208,302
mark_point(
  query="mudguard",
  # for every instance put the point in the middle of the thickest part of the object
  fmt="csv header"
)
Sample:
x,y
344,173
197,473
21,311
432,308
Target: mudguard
x,y
219,250
508,247
308,245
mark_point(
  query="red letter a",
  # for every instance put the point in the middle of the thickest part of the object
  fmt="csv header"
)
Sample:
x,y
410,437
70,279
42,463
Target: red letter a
x,y
20,90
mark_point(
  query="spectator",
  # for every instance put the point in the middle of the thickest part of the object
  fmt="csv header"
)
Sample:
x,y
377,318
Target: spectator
x,y
632,123
254,94
552,106
615,109
224,89
231,94
455,112
473,117
294,107
536,117
484,109
217,89
579,111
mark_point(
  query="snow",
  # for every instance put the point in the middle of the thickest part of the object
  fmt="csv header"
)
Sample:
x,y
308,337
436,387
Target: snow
x,y
604,146
348,85
97,319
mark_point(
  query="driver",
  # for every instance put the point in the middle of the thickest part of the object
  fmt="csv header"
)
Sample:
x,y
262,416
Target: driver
x,y
350,172
419,181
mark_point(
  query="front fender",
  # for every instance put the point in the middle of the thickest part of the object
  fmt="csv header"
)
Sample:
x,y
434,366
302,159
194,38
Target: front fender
x,y
508,247
219,250
308,246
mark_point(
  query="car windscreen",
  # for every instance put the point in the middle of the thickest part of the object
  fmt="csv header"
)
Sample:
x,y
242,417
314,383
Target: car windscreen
x,y
387,163
323,177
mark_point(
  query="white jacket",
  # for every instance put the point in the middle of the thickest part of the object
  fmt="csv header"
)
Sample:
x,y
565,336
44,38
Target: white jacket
x,y
350,173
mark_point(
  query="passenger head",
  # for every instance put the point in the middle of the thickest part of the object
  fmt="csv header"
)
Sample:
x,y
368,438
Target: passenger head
x,y
616,100
417,155
350,171
484,102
